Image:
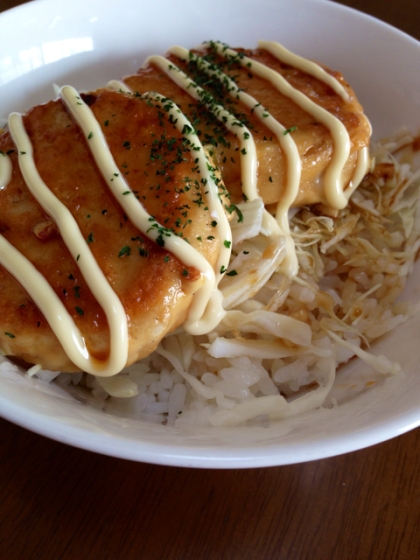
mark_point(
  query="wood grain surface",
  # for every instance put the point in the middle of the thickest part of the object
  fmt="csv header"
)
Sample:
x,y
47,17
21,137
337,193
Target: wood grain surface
x,y
61,503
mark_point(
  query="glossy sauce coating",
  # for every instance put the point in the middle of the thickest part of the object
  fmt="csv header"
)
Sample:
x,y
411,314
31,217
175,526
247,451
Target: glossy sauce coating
x,y
241,105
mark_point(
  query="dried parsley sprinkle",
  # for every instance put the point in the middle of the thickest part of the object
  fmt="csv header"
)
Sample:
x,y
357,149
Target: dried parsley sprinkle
x,y
90,135
124,251
79,311
213,223
77,258
10,335
227,243
222,269
185,272
232,273
289,130
90,238
270,179
106,123
234,208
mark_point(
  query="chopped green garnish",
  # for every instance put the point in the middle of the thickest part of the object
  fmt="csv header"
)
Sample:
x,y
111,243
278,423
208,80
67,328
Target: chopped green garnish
x,y
124,251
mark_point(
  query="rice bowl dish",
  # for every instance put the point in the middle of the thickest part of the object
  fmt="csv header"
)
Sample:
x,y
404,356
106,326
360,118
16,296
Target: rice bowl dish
x,y
300,293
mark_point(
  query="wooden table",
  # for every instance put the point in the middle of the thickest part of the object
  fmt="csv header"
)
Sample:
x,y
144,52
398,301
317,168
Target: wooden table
x,y
57,502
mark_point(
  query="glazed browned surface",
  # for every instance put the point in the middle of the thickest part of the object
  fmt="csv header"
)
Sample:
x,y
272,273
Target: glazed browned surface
x,y
313,140
154,287
160,168
57,502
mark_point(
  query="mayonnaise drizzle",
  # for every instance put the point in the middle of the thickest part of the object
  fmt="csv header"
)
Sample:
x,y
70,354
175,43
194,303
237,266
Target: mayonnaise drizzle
x,y
244,135
79,250
334,188
206,310
247,150
305,65
289,265
362,167
5,170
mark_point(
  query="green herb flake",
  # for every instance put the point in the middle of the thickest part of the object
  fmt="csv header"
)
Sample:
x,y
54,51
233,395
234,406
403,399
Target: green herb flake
x,y
10,335
79,311
232,273
227,243
125,251
234,208
90,135
90,238
289,130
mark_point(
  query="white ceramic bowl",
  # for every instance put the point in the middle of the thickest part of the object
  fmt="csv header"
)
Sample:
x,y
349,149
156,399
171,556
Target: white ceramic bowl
x,y
86,44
